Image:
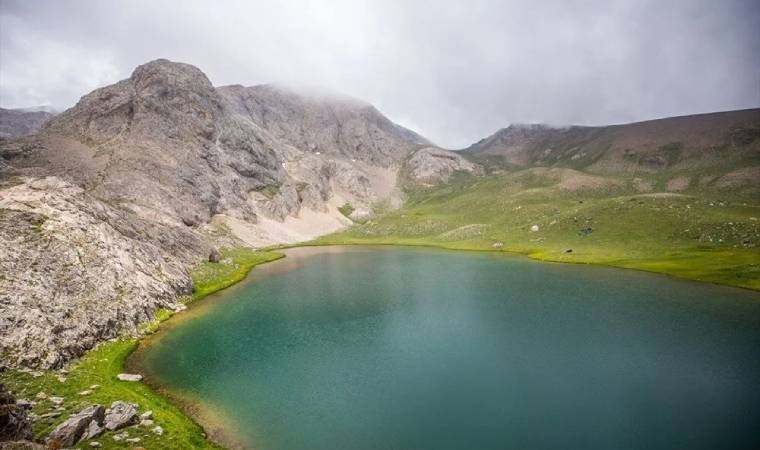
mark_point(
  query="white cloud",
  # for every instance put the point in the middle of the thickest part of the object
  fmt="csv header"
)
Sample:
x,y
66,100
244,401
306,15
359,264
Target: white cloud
x,y
458,70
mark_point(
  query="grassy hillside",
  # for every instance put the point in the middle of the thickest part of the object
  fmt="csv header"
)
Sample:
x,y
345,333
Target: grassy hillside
x,y
701,141
557,214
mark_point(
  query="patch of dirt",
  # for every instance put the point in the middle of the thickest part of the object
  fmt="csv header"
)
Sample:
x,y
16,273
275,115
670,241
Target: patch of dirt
x,y
464,232
747,176
678,184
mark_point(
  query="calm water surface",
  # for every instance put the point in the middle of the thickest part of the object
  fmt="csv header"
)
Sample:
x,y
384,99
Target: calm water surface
x,y
399,348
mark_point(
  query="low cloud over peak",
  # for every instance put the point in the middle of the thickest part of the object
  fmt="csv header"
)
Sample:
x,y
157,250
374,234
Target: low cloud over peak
x,y
454,71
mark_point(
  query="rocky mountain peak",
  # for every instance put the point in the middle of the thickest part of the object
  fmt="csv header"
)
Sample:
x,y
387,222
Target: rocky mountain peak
x,y
160,101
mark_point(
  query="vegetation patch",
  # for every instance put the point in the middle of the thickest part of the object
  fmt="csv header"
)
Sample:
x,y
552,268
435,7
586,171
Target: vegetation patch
x,y
93,378
235,264
346,210
696,234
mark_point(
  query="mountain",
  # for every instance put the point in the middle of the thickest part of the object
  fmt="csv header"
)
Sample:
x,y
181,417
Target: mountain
x,y
107,208
676,143
22,122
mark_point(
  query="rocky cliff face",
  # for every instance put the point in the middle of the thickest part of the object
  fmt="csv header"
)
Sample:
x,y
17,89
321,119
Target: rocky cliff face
x,y
76,270
105,209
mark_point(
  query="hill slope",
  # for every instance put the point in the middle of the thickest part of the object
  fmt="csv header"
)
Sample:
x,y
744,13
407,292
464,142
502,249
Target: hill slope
x,y
21,122
677,196
676,143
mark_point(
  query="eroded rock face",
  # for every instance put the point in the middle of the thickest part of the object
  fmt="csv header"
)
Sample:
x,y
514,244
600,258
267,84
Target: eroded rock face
x,y
431,165
77,270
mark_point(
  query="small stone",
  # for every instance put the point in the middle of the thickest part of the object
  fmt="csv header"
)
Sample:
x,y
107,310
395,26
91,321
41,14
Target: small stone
x,y
214,256
62,379
158,430
37,374
41,395
146,423
94,386
86,392
534,228
129,377
95,444
146,415
120,437
133,440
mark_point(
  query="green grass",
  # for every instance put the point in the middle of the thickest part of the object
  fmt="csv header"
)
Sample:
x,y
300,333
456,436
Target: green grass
x,y
101,365
235,264
346,210
705,236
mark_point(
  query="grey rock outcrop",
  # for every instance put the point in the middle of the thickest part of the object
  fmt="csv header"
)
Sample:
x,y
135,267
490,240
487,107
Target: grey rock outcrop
x,y
120,415
77,270
72,429
431,165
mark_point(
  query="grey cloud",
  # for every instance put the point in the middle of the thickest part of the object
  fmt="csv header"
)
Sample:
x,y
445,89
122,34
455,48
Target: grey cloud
x,y
453,70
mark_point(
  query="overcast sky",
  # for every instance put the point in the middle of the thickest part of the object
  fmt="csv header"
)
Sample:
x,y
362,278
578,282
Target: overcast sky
x,y
455,71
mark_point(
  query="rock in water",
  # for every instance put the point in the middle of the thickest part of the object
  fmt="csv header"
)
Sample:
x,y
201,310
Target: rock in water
x,y
121,415
71,431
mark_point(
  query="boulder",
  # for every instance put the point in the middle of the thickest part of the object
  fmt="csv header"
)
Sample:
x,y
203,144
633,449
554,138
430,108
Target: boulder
x,y
214,256
121,415
71,431
129,377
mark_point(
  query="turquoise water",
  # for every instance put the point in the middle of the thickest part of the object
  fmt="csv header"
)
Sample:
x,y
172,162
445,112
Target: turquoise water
x,y
399,348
